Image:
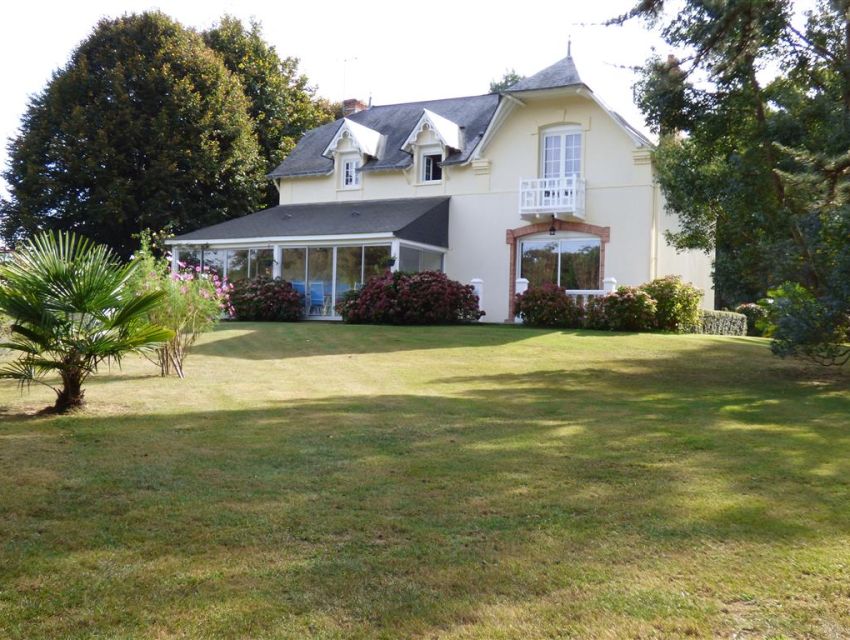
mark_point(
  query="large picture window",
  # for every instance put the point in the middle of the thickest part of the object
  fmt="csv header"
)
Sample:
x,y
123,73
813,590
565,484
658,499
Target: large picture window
x,y
572,263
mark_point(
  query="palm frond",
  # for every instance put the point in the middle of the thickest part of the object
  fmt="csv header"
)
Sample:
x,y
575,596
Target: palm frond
x,y
72,309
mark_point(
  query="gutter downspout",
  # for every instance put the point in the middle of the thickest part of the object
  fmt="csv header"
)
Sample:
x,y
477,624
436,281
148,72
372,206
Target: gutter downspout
x,y
653,252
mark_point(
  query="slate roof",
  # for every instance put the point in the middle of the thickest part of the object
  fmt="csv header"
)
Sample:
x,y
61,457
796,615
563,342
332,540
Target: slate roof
x,y
423,220
396,121
561,74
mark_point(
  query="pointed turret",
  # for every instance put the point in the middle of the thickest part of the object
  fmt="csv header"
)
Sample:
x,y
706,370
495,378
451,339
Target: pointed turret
x,y
561,74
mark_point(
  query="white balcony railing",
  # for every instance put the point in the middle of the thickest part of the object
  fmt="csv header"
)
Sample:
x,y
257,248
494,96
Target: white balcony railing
x,y
554,196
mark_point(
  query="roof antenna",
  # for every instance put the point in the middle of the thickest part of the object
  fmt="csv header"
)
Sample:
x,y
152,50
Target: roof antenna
x,y
569,46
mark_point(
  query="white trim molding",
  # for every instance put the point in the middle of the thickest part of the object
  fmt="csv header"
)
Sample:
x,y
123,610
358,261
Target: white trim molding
x,y
448,132
368,141
233,243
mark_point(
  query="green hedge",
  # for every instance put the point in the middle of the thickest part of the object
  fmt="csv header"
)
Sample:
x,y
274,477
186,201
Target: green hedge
x,y
723,323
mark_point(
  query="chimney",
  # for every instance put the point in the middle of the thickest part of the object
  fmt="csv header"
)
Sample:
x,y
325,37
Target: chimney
x,y
352,105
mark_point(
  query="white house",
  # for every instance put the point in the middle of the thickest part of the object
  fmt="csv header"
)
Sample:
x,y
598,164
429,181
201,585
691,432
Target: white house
x,y
541,183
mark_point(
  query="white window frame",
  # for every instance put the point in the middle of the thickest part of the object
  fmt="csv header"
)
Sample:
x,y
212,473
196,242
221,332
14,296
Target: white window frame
x,y
350,169
562,132
424,152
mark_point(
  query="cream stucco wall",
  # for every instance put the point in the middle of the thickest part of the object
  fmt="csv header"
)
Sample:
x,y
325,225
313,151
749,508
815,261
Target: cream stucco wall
x,y
620,195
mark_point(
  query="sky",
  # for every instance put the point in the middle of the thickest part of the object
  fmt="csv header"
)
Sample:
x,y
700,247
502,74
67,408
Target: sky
x,y
389,51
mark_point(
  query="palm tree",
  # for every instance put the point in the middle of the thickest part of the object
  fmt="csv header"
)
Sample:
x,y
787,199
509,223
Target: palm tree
x,y
71,310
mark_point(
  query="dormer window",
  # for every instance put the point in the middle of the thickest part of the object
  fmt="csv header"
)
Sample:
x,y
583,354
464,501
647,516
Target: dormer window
x,y
431,169
352,146
430,142
350,173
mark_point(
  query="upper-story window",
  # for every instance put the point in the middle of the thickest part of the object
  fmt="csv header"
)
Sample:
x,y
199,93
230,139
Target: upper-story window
x,y
429,142
561,153
350,174
431,169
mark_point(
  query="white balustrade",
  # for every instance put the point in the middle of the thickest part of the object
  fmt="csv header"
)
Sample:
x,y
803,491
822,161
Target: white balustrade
x,y
552,195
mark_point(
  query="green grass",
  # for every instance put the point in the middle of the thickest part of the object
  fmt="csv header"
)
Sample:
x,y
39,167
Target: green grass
x,y
329,481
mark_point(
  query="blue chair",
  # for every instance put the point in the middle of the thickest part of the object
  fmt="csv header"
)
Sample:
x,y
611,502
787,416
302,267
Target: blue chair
x,y
299,287
317,298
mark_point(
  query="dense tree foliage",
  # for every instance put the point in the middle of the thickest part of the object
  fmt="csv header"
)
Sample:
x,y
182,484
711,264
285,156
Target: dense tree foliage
x,y
755,151
144,127
151,125
282,103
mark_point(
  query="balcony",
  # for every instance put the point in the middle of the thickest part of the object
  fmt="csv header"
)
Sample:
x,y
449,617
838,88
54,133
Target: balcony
x,y
559,197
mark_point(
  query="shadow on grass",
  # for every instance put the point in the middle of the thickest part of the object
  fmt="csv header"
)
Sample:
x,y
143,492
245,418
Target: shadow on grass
x,y
399,515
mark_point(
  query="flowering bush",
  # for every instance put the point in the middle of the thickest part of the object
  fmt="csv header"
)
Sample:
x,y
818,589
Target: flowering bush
x,y
677,303
266,299
195,299
428,297
548,306
756,317
630,309
594,314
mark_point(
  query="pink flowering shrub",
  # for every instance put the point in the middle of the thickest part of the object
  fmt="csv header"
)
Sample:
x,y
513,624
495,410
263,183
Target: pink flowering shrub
x,y
195,299
594,314
265,299
428,297
548,306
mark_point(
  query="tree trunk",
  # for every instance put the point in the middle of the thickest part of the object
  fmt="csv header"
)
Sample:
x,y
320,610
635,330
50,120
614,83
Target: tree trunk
x,y
72,394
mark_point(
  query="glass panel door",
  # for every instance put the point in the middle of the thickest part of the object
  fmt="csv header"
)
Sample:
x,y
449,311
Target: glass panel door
x,y
319,281
214,261
237,264
552,156
553,167
349,270
262,263
375,261
572,154
294,270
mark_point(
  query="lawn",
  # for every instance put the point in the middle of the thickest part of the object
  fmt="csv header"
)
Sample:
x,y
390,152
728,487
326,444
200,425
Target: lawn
x,y
329,481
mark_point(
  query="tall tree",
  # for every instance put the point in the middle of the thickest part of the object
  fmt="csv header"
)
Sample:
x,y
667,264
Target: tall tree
x,y
509,77
144,128
283,104
755,152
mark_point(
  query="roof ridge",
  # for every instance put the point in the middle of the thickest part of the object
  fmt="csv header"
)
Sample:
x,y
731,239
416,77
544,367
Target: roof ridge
x,y
413,102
